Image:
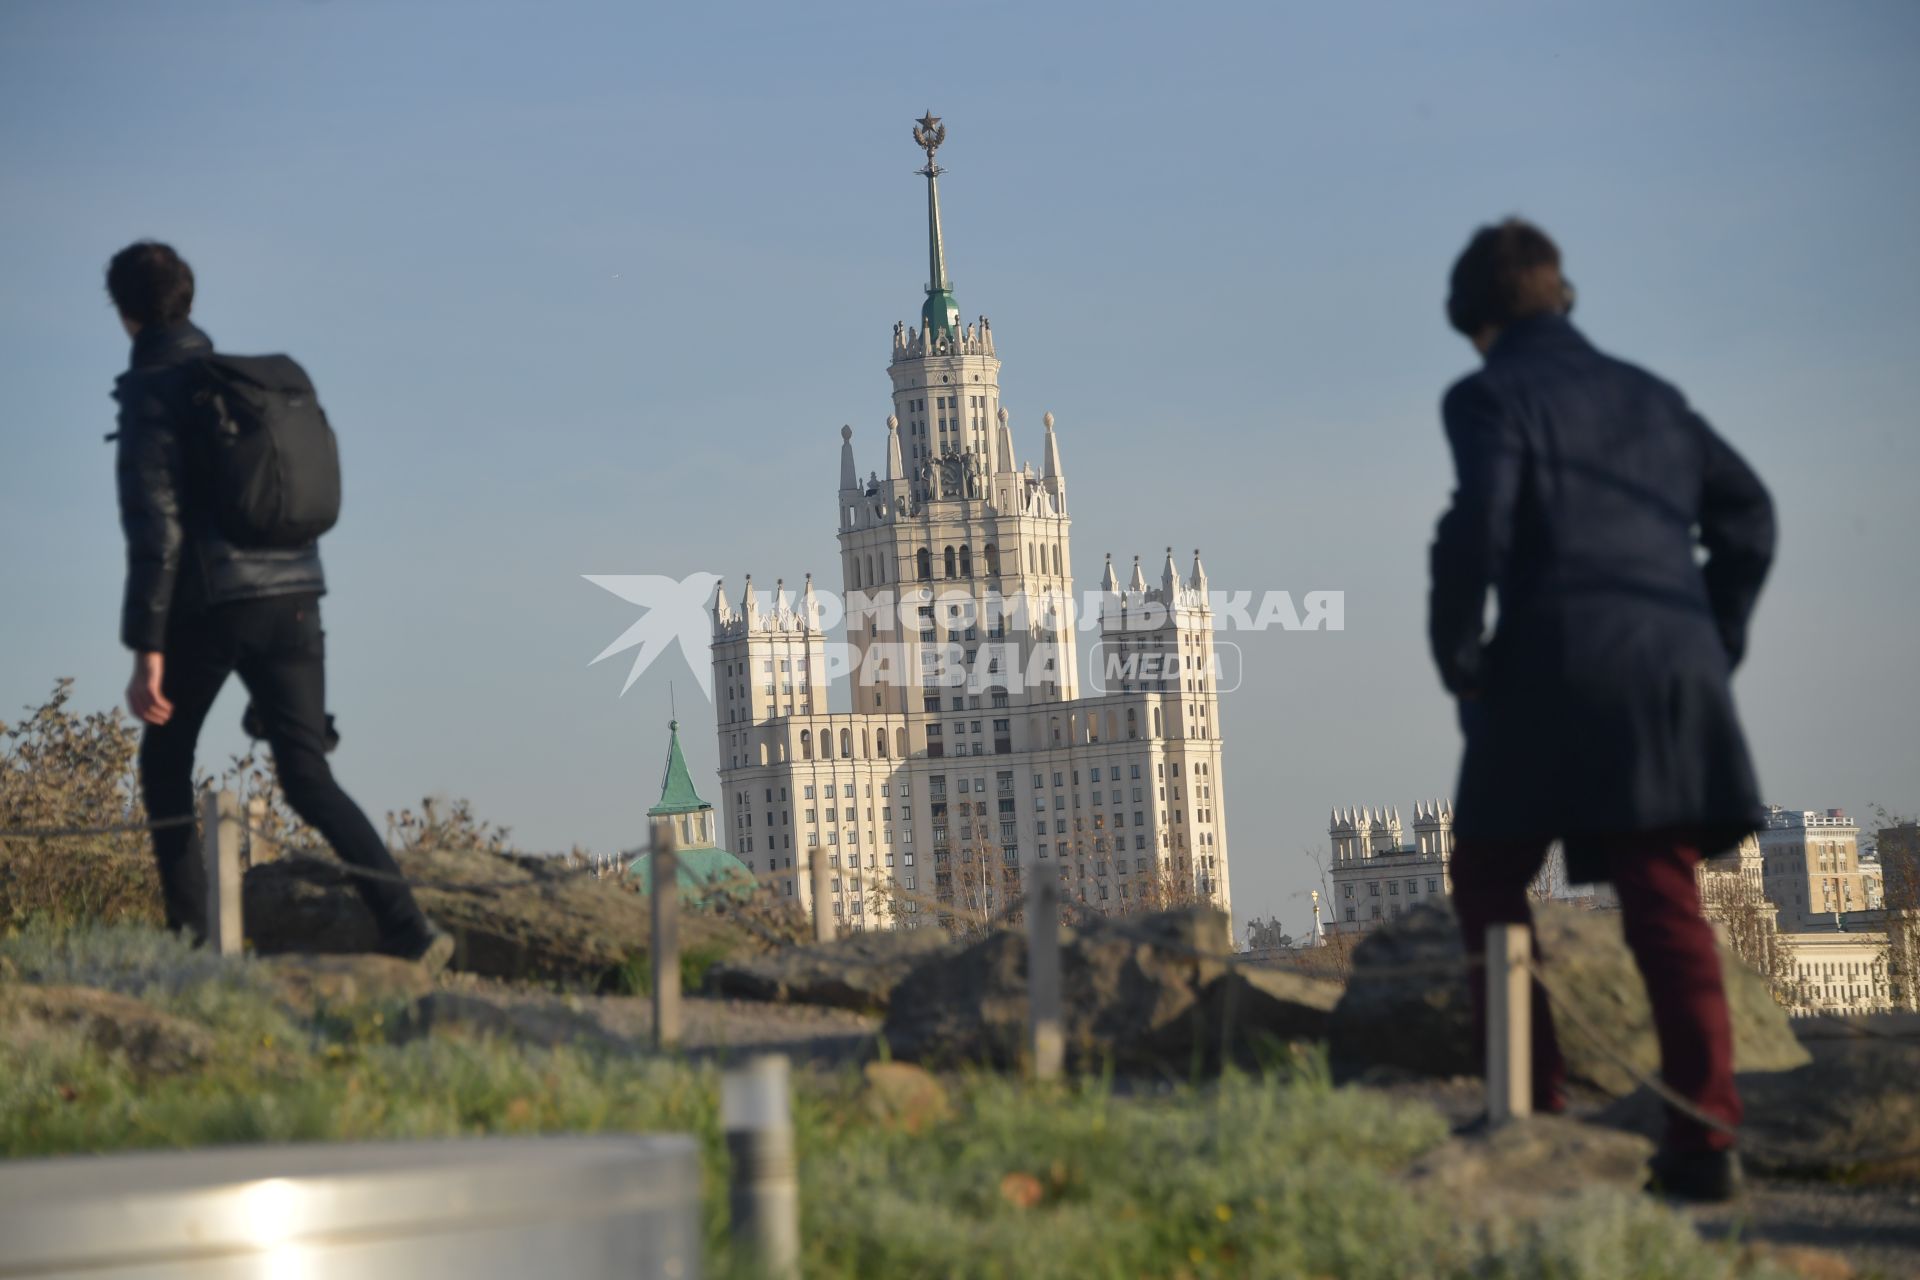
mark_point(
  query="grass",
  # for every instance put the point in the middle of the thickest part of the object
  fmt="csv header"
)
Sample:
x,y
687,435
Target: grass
x,y
1276,1175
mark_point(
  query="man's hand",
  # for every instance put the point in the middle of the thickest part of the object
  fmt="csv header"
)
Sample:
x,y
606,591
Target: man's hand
x,y
143,691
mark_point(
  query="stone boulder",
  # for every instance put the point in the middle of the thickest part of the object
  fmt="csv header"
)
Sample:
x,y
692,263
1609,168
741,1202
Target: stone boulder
x,y
154,1043
859,971
1143,993
1406,1004
527,921
1851,1114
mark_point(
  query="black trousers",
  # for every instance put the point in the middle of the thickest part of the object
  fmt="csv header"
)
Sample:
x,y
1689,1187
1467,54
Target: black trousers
x,y
278,648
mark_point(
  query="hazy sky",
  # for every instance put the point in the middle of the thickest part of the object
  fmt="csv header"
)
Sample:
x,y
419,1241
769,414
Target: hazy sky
x,y
592,288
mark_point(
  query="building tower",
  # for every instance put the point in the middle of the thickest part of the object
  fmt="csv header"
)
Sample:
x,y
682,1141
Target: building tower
x,y
958,552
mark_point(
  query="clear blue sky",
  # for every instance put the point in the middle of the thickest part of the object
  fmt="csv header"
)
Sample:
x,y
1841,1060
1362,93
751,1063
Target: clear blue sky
x,y
591,289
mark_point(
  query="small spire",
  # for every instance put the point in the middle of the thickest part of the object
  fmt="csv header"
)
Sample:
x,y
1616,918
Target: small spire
x,y
849,474
748,603
1003,445
721,609
896,469
1198,579
1050,471
809,607
1139,580
1169,576
1109,583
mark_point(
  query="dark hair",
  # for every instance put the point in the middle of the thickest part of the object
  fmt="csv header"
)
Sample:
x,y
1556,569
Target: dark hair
x,y
1506,273
150,283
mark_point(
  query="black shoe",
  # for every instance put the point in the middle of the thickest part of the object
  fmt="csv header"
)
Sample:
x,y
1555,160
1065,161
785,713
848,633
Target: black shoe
x,y
1704,1177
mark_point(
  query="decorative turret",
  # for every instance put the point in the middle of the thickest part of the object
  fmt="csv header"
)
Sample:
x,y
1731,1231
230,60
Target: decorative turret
x,y
722,611
896,470
1169,579
1198,579
1051,474
809,607
1109,584
1138,582
1003,462
849,474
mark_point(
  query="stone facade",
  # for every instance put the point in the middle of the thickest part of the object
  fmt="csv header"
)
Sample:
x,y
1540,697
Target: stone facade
x,y
970,760
1376,875
1811,865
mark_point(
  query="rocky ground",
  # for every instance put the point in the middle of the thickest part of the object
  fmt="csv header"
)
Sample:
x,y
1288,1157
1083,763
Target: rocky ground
x,y
1158,1000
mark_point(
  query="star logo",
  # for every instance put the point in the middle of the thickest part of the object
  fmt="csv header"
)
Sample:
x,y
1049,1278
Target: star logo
x,y
676,610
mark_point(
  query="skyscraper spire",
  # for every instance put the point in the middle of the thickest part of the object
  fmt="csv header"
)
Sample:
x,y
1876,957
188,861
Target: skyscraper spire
x,y
849,474
896,469
940,316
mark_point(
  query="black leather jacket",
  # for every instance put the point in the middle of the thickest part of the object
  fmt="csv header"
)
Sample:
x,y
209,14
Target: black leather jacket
x,y
177,562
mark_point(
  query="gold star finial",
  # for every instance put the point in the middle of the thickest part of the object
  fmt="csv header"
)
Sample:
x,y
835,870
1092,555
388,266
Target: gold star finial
x,y
929,133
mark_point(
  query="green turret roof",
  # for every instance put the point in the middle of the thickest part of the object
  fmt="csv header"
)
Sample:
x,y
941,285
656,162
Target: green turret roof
x,y
676,789
702,872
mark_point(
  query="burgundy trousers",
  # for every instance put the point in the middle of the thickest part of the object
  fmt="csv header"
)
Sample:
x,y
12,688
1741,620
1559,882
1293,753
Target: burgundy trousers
x,y
1672,943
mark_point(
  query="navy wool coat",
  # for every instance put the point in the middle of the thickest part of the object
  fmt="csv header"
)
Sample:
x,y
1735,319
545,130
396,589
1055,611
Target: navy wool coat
x,y
1625,544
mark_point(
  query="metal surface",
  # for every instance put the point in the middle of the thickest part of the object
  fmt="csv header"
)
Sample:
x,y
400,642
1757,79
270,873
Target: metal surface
x,y
579,1208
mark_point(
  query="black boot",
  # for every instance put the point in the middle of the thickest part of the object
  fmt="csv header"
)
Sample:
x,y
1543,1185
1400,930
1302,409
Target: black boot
x,y
1704,1177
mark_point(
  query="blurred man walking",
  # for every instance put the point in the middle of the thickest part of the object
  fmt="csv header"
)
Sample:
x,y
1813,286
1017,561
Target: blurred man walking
x,y
227,476
1599,712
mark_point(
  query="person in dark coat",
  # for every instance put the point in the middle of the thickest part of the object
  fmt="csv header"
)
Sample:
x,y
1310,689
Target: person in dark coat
x,y
197,609
1599,713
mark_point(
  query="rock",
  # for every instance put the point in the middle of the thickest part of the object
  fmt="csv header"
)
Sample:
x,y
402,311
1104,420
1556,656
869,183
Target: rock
x,y
903,1096
859,971
1275,1004
1139,993
1517,1169
1417,1018
545,1024
311,983
1851,1114
155,1043
530,921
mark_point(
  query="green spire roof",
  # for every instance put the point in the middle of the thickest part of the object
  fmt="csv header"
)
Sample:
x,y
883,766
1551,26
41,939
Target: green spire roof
x,y
940,313
676,788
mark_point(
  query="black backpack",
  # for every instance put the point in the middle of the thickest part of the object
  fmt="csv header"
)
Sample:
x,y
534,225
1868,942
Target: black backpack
x,y
274,464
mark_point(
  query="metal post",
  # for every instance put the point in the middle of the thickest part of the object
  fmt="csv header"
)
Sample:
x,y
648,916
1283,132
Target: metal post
x,y
1046,1037
1509,1023
220,835
823,930
664,873
763,1195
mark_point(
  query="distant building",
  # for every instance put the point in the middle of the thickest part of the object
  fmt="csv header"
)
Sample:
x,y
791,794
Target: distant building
x,y
1811,865
1376,875
970,761
1840,966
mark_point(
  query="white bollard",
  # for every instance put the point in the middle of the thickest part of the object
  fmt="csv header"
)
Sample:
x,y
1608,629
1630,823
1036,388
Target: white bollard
x,y
1046,1037
763,1196
220,835
1509,1023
